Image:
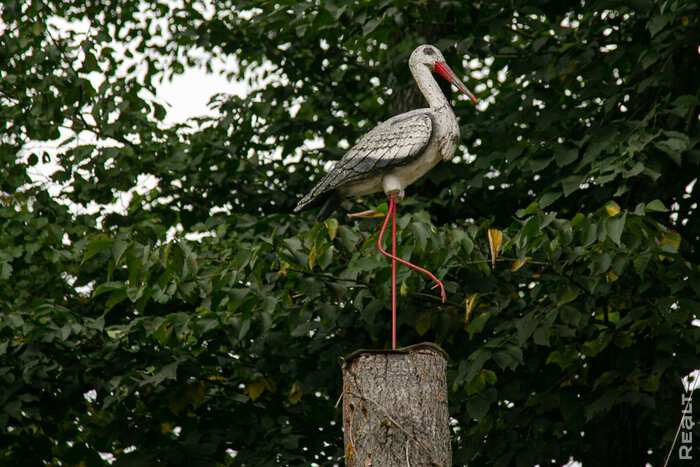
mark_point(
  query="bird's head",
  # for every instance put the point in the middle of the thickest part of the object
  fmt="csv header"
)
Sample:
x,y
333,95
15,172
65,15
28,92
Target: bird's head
x,y
429,56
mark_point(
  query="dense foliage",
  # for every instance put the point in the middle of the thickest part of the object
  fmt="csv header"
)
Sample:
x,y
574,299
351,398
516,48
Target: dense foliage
x,y
200,322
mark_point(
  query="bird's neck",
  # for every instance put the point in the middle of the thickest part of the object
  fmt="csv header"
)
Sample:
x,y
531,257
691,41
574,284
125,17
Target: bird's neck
x,y
430,89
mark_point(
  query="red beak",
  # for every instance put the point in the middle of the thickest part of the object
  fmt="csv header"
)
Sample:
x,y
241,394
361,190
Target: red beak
x,y
448,74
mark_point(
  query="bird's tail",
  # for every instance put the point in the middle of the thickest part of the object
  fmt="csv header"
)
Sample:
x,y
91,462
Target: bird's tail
x,y
329,201
332,202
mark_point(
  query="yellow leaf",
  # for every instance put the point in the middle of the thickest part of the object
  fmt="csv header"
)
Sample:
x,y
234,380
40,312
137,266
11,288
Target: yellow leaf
x,y
612,208
165,427
612,277
269,385
256,387
672,237
312,257
480,381
370,214
332,227
197,391
295,393
284,269
519,264
489,376
495,242
423,323
469,305
403,290
191,393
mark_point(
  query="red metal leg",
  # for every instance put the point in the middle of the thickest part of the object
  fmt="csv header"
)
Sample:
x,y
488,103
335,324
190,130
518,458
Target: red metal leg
x,y
393,272
392,213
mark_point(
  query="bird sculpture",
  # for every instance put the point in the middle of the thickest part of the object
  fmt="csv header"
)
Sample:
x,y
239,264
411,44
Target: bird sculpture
x,y
399,151
396,153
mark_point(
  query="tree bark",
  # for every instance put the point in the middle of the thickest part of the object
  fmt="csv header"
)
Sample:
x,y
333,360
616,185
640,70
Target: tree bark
x,y
395,407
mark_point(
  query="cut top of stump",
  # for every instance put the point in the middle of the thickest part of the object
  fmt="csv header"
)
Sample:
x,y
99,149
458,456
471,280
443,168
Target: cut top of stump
x,y
423,347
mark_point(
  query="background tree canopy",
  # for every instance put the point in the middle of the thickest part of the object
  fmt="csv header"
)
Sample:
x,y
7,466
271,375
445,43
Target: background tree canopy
x,y
202,323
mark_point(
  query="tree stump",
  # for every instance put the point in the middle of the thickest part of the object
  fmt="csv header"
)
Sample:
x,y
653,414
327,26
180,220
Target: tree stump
x,y
395,407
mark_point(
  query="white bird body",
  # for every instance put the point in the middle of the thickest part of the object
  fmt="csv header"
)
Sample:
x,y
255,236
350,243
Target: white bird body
x,y
399,151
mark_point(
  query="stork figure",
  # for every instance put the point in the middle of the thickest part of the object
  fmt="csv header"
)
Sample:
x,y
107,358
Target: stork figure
x,y
395,154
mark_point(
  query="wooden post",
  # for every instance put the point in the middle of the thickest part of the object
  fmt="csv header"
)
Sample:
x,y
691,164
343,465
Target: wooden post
x,y
395,407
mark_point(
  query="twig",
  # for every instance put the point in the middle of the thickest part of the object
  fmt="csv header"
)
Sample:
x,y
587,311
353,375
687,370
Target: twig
x,y
434,298
340,398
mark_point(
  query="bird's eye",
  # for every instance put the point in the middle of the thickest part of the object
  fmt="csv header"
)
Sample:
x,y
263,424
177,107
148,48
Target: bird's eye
x,y
428,51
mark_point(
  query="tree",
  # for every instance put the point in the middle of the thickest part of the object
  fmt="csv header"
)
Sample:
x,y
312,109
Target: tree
x,y
124,339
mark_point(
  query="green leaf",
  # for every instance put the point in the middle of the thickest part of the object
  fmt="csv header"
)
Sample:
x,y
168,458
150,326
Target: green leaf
x,y
370,26
348,238
564,358
548,198
525,327
477,407
335,11
475,363
655,206
593,347
657,23
108,287
565,294
89,63
423,324
191,257
510,357
159,112
650,383
167,372
570,315
529,230
5,271
570,184
577,219
420,234
537,165
565,155
541,336
117,296
118,249
532,208
673,147
97,244
614,226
